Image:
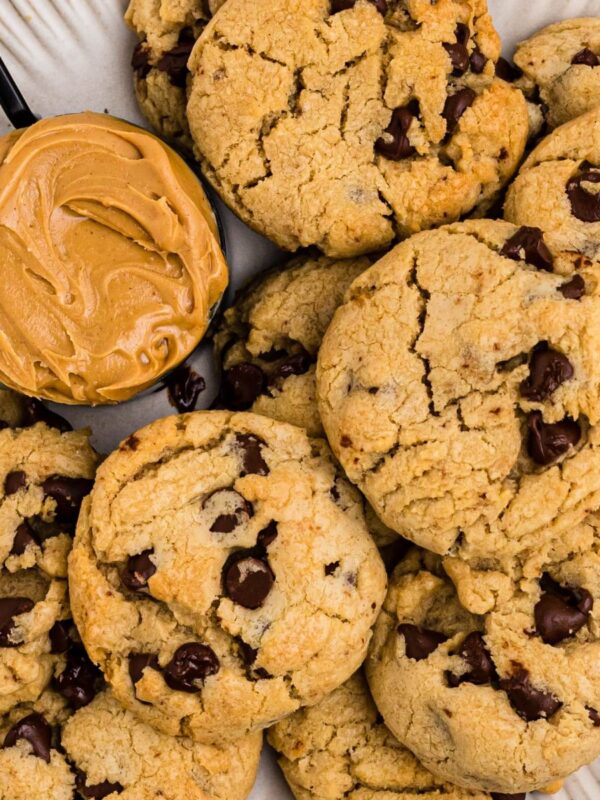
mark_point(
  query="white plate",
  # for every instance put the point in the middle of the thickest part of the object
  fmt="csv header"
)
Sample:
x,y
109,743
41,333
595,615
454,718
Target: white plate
x,y
71,55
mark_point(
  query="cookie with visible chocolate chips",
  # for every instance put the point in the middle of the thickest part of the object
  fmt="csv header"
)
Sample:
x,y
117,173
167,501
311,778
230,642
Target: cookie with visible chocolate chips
x,y
504,702
167,30
222,574
459,386
343,123
561,61
557,188
341,748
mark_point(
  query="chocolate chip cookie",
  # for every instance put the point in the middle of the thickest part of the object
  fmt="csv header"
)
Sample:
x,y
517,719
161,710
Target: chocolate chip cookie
x,y
44,475
561,61
222,574
506,702
51,751
557,187
342,124
341,748
459,388
167,30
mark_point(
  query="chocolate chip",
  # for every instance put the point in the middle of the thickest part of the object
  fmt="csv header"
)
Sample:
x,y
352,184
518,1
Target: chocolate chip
x,y
60,639
130,443
594,715
175,61
529,703
247,579
80,681
548,369
34,411
138,662
140,60
68,494
252,461
331,568
395,144
139,569
11,607
528,244
459,55
548,441
481,667
24,538
297,364
586,57
561,611
455,106
477,61
237,510
14,481
184,387
585,205
247,653
43,530
98,790
343,5
573,289
420,642
33,729
507,71
191,665
268,535
241,385
504,796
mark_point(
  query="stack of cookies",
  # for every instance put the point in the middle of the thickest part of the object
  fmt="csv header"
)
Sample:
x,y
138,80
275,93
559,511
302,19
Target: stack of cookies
x,y
382,543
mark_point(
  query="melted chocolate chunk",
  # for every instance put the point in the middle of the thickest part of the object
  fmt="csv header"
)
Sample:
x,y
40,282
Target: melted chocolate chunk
x,y
241,385
14,481
548,441
586,57
529,703
98,790
43,530
481,667
138,662
138,571
24,538
11,607
330,569
395,144
548,369
174,63
247,653
60,639
477,61
527,244
342,5
68,494
459,55
297,364
268,535
594,715
561,611
140,60
507,71
184,387
34,411
80,681
585,205
191,665
35,730
455,106
247,579
239,510
252,461
420,642
573,289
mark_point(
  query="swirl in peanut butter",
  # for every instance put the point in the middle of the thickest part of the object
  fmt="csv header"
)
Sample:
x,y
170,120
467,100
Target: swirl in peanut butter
x,y
110,259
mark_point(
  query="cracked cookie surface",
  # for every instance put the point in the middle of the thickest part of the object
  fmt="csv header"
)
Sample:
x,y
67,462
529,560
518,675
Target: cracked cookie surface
x,y
458,386
53,752
562,61
557,188
341,748
44,474
167,30
222,574
504,702
343,128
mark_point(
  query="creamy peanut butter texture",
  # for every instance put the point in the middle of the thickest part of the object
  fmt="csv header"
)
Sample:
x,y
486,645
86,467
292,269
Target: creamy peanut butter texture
x,y
109,259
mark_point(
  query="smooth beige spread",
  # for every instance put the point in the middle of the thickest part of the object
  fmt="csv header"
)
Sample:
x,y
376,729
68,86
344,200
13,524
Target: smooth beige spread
x,y
110,259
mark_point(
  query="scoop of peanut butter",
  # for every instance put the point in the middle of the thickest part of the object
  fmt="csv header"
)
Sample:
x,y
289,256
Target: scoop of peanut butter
x,y
109,259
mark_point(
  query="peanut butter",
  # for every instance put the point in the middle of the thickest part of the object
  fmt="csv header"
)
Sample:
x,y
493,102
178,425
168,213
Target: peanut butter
x,y
110,259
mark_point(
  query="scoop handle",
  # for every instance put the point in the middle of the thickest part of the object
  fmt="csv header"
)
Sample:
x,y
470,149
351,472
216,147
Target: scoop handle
x,y
12,101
